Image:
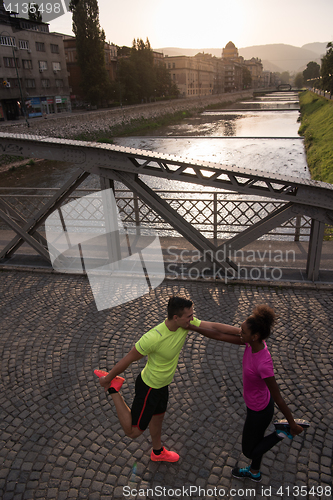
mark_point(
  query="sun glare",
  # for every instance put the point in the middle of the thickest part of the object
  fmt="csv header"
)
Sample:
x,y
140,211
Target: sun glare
x,y
183,24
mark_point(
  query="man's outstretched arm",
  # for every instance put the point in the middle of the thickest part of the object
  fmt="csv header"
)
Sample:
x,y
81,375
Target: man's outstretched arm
x,y
120,367
219,331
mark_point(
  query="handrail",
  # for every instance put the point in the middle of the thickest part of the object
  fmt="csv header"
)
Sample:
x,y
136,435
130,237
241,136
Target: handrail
x,y
211,225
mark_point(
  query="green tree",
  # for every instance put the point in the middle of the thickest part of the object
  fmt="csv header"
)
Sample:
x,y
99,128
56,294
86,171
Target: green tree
x,y
90,40
326,70
299,80
143,60
247,78
285,77
165,87
311,71
126,84
139,79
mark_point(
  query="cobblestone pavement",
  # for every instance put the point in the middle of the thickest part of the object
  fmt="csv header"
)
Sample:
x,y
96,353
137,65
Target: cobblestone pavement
x,y
60,438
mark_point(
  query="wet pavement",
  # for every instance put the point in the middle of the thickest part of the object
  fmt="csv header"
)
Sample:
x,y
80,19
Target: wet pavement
x,y
60,437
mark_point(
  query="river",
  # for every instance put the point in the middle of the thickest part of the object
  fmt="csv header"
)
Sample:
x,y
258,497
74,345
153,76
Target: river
x,y
261,133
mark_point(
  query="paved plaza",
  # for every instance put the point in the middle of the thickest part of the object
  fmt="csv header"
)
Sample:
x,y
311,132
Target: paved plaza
x,y
60,437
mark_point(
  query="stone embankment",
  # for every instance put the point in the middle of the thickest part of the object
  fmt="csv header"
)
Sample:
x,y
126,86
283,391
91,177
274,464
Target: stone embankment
x,y
70,125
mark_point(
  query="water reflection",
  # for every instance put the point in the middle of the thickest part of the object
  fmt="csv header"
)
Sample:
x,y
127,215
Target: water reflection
x,y
240,135
267,105
237,124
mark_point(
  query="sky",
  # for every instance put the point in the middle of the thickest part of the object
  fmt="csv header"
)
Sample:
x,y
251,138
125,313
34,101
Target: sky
x,y
211,24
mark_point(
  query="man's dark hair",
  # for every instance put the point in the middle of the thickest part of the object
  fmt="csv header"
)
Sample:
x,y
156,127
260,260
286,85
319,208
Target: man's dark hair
x,y
176,305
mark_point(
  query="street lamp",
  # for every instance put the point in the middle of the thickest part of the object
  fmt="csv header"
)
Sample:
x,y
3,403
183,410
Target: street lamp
x,y
17,74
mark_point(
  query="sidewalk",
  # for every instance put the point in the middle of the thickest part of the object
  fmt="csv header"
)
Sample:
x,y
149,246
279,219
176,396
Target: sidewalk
x,y
271,261
60,437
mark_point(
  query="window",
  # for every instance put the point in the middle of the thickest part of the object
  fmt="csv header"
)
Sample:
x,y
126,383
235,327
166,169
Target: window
x,y
71,56
9,41
40,47
45,83
42,65
54,48
56,66
27,63
14,83
30,83
24,44
59,83
9,62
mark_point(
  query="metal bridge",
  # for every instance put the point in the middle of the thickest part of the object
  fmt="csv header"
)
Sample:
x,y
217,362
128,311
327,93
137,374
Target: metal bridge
x,y
129,166
284,87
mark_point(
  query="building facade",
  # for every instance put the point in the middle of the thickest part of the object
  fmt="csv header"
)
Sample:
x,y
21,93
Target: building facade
x,y
234,64
233,76
255,68
201,75
33,73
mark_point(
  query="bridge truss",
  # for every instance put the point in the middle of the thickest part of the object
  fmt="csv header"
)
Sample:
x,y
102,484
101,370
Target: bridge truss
x,y
130,167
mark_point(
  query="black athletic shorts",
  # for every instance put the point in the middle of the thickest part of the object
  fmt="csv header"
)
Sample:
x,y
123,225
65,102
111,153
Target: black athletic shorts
x,y
147,402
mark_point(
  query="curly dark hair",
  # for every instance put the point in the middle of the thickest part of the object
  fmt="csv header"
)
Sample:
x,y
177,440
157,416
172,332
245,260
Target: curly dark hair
x,y
261,321
176,305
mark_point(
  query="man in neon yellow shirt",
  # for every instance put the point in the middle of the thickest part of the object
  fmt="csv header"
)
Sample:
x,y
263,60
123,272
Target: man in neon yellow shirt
x,y
162,344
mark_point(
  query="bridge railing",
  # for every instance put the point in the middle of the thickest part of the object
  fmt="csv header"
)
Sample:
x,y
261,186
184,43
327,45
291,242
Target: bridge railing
x,y
299,198
216,215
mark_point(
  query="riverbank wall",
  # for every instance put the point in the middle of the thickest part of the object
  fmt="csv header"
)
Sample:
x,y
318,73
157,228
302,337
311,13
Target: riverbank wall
x,y
71,125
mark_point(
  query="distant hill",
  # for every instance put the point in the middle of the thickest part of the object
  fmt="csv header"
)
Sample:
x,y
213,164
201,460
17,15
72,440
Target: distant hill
x,y
275,57
285,57
318,47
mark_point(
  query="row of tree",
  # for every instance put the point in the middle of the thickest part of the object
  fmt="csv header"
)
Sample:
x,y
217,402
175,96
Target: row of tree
x,y
138,78
316,75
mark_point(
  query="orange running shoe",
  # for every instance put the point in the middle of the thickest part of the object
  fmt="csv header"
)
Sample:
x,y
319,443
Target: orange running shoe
x,y
165,456
116,383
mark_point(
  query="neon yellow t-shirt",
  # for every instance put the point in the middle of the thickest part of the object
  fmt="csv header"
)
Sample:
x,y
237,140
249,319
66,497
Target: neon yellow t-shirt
x,y
162,347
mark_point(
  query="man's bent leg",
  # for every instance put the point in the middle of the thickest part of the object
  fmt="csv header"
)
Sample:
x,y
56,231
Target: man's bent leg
x,y
125,416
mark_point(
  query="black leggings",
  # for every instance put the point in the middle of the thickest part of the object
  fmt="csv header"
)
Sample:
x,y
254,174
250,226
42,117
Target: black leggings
x,y
254,444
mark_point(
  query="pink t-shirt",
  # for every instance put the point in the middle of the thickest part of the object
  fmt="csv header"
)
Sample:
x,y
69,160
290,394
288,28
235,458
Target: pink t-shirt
x,y
256,367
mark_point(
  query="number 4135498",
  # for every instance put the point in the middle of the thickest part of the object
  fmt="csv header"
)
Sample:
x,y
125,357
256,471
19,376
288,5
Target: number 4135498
x,y
33,8
303,491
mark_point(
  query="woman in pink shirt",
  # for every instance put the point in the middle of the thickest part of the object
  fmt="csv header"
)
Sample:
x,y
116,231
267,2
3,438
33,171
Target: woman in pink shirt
x,y
260,389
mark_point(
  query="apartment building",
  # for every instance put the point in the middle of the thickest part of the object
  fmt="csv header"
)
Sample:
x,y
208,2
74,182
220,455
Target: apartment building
x,y
196,76
233,68
205,74
234,64
233,76
33,73
255,67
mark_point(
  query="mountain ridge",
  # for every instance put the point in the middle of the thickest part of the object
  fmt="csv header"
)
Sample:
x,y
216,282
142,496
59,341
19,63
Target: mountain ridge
x,y
276,57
